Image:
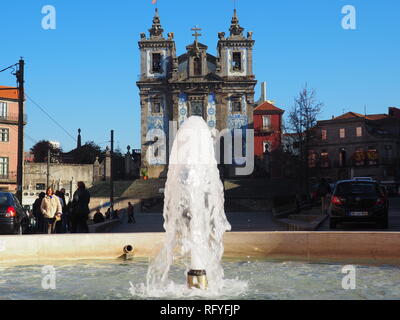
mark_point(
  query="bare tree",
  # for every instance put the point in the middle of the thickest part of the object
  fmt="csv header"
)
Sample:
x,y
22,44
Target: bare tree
x,y
301,121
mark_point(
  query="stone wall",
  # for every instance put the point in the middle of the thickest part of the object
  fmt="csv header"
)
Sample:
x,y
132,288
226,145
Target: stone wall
x,y
61,176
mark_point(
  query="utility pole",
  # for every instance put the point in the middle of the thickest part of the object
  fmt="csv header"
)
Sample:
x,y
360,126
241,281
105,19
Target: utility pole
x,y
112,173
21,98
48,167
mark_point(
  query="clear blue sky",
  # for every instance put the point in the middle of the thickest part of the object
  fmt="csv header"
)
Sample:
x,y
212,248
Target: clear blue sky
x,y
84,72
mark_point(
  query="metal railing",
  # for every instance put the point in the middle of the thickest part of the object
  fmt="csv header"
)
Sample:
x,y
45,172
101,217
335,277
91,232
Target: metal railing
x,y
10,177
12,117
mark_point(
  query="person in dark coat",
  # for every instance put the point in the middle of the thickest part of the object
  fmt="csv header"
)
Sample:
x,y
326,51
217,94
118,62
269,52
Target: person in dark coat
x,y
37,213
80,209
324,189
108,213
60,224
131,211
98,217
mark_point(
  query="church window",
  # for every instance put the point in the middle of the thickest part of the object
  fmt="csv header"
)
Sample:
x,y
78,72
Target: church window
x,y
156,106
156,65
197,108
236,105
197,66
237,61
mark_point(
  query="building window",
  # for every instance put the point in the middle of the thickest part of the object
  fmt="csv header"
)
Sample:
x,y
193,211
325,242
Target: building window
x,y
266,122
342,133
323,134
196,108
156,106
156,63
324,159
4,135
359,131
237,61
389,154
342,158
312,159
197,66
372,156
3,167
236,104
3,110
359,157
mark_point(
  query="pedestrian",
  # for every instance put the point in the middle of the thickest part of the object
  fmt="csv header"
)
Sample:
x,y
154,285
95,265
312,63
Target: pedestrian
x,y
51,210
115,214
98,217
131,217
324,189
65,216
37,213
80,209
59,223
108,213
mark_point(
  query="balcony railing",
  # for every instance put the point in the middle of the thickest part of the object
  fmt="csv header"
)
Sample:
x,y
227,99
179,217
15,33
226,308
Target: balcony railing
x,y
263,130
10,177
13,117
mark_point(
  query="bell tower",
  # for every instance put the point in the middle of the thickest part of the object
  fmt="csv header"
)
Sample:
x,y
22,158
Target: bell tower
x,y
157,54
236,51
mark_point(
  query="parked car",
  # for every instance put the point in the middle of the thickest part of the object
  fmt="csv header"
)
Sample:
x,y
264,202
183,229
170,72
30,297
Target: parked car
x,y
13,217
363,179
358,201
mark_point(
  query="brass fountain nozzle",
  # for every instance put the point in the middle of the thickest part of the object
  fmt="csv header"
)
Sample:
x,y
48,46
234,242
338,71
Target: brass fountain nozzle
x,y
197,279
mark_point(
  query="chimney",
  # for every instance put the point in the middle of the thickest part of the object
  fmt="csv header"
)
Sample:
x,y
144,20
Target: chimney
x,y
263,92
394,112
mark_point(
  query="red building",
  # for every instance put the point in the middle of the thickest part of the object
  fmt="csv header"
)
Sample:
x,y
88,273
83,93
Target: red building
x,y
8,138
267,128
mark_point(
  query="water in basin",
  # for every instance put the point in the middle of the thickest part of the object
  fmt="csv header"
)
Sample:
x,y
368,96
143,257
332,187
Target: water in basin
x,y
244,280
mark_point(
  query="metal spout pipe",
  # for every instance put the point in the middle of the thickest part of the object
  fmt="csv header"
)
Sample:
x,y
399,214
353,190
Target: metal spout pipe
x,y
197,279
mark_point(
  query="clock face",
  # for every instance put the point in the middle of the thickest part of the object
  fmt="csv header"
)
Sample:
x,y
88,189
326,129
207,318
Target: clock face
x,y
197,108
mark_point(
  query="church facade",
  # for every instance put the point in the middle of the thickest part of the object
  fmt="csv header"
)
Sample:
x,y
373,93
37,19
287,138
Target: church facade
x,y
174,87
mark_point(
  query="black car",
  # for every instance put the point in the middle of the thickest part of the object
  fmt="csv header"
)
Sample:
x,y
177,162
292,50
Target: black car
x,y
13,218
359,201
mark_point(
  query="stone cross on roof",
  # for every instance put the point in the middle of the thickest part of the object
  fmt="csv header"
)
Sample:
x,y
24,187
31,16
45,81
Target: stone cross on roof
x,y
196,35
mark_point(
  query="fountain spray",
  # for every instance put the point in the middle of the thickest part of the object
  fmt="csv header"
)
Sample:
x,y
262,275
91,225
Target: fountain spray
x,y
194,216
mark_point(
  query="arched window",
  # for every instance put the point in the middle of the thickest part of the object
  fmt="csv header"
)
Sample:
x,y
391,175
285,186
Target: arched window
x,y
197,66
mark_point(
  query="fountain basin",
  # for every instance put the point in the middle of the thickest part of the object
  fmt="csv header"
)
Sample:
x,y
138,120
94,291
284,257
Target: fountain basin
x,y
360,247
252,279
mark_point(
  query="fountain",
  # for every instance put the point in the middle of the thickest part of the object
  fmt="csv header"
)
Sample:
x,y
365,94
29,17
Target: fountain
x,y
194,214
256,265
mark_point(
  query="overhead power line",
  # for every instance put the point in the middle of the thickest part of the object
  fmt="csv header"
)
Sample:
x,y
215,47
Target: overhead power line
x,y
51,118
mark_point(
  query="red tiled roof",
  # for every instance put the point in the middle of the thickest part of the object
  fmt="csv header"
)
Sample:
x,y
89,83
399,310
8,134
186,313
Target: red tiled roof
x,y
10,93
266,106
350,115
